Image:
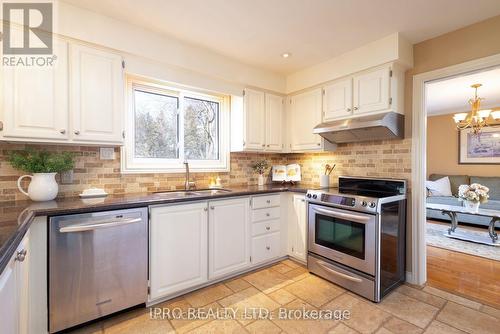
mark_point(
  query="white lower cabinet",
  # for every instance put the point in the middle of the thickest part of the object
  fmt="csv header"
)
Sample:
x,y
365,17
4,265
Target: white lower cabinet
x,y
178,248
229,249
194,244
297,227
14,292
265,247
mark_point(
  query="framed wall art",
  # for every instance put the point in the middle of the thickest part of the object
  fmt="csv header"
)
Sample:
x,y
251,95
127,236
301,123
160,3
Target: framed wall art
x,y
479,149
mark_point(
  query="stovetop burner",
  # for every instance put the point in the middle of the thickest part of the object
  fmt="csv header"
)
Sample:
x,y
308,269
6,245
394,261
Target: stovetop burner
x,y
360,194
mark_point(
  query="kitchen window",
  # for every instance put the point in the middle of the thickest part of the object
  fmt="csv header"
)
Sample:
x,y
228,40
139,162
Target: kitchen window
x,y
167,126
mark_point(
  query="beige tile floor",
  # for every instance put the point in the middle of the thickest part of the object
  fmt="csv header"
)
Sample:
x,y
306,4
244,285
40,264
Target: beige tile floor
x,y
288,286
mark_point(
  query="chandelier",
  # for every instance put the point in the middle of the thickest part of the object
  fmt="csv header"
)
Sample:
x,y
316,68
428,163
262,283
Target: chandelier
x,y
476,119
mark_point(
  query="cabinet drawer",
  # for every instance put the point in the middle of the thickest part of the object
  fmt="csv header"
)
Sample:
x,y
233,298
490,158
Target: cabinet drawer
x,y
265,227
265,247
260,202
265,214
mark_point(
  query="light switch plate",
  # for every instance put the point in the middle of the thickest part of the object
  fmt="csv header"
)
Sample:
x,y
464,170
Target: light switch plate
x,y
107,153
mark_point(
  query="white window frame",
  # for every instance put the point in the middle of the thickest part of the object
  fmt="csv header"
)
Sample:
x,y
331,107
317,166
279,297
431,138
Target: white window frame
x,y
131,164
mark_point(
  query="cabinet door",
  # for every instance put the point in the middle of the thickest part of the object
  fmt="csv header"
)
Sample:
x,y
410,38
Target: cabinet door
x,y
178,248
265,247
305,115
274,123
96,95
9,298
23,272
253,106
337,100
297,242
371,91
35,103
14,292
229,237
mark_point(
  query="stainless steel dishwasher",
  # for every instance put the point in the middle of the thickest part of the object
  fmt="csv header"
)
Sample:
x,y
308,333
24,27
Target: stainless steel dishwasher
x,y
98,264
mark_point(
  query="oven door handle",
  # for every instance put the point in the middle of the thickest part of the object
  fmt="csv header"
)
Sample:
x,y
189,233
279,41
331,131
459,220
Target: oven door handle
x,y
325,266
349,216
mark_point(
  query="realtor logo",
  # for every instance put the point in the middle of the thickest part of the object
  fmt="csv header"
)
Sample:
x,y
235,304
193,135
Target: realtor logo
x,y
35,35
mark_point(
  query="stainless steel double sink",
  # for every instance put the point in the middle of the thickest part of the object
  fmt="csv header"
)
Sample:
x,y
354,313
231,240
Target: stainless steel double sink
x,y
191,193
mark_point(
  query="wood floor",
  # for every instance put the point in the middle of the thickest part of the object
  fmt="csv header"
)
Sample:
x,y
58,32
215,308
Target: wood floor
x,y
471,276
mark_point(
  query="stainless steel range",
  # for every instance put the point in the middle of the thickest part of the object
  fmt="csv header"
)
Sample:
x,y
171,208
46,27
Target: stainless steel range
x,y
356,234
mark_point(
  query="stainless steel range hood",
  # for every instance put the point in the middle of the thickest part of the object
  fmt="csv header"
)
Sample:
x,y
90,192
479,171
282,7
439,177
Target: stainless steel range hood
x,y
364,128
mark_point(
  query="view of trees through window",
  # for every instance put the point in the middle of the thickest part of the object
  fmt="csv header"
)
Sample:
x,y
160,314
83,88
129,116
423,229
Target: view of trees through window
x,y
201,119
157,127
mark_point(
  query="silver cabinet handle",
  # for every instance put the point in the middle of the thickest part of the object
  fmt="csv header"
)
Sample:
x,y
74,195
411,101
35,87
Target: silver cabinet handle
x,y
205,209
356,108
268,201
348,109
96,226
268,228
62,131
347,277
263,145
21,255
319,144
77,132
268,248
212,208
268,214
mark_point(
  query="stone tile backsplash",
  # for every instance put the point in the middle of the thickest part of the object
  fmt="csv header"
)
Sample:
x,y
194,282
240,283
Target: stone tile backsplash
x,y
378,159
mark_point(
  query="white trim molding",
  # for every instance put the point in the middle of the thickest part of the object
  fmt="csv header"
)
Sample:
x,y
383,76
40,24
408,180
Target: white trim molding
x,y
419,143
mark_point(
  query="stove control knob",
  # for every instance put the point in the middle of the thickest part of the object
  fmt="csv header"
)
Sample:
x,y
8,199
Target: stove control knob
x,y
308,195
315,196
372,204
363,203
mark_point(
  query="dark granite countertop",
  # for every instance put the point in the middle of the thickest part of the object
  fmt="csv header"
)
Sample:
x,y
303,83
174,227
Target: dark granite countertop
x,y
16,217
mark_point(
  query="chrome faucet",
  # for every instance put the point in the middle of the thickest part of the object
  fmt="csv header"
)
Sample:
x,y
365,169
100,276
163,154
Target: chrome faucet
x,y
188,184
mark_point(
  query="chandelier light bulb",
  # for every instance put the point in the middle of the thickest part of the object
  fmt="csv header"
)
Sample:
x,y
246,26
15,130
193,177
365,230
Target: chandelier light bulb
x,y
459,117
484,113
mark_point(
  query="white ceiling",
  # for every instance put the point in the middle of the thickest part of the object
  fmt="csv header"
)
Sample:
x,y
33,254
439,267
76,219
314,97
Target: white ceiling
x,y
452,95
257,32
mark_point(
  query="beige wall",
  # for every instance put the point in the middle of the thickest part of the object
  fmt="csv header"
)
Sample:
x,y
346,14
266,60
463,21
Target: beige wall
x,y
475,41
442,150
472,42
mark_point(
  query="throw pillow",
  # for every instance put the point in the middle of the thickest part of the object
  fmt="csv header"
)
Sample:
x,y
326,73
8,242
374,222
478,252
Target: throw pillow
x,y
441,187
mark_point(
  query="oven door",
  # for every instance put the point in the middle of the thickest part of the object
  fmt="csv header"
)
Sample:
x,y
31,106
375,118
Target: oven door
x,y
346,237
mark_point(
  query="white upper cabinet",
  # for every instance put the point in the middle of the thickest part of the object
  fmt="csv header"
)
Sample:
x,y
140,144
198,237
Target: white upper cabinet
x,y
77,100
305,113
337,99
178,248
254,111
256,122
35,99
304,116
229,236
96,95
372,91
274,123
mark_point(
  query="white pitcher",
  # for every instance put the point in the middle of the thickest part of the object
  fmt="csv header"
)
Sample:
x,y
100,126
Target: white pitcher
x,y
43,186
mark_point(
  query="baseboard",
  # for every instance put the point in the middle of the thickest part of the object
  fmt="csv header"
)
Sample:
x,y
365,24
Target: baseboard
x,y
410,278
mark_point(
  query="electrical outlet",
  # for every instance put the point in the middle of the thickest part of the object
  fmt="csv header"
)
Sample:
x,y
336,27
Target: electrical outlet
x,y
107,153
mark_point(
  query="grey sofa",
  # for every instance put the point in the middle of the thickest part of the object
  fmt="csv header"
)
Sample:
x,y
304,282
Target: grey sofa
x,y
456,180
